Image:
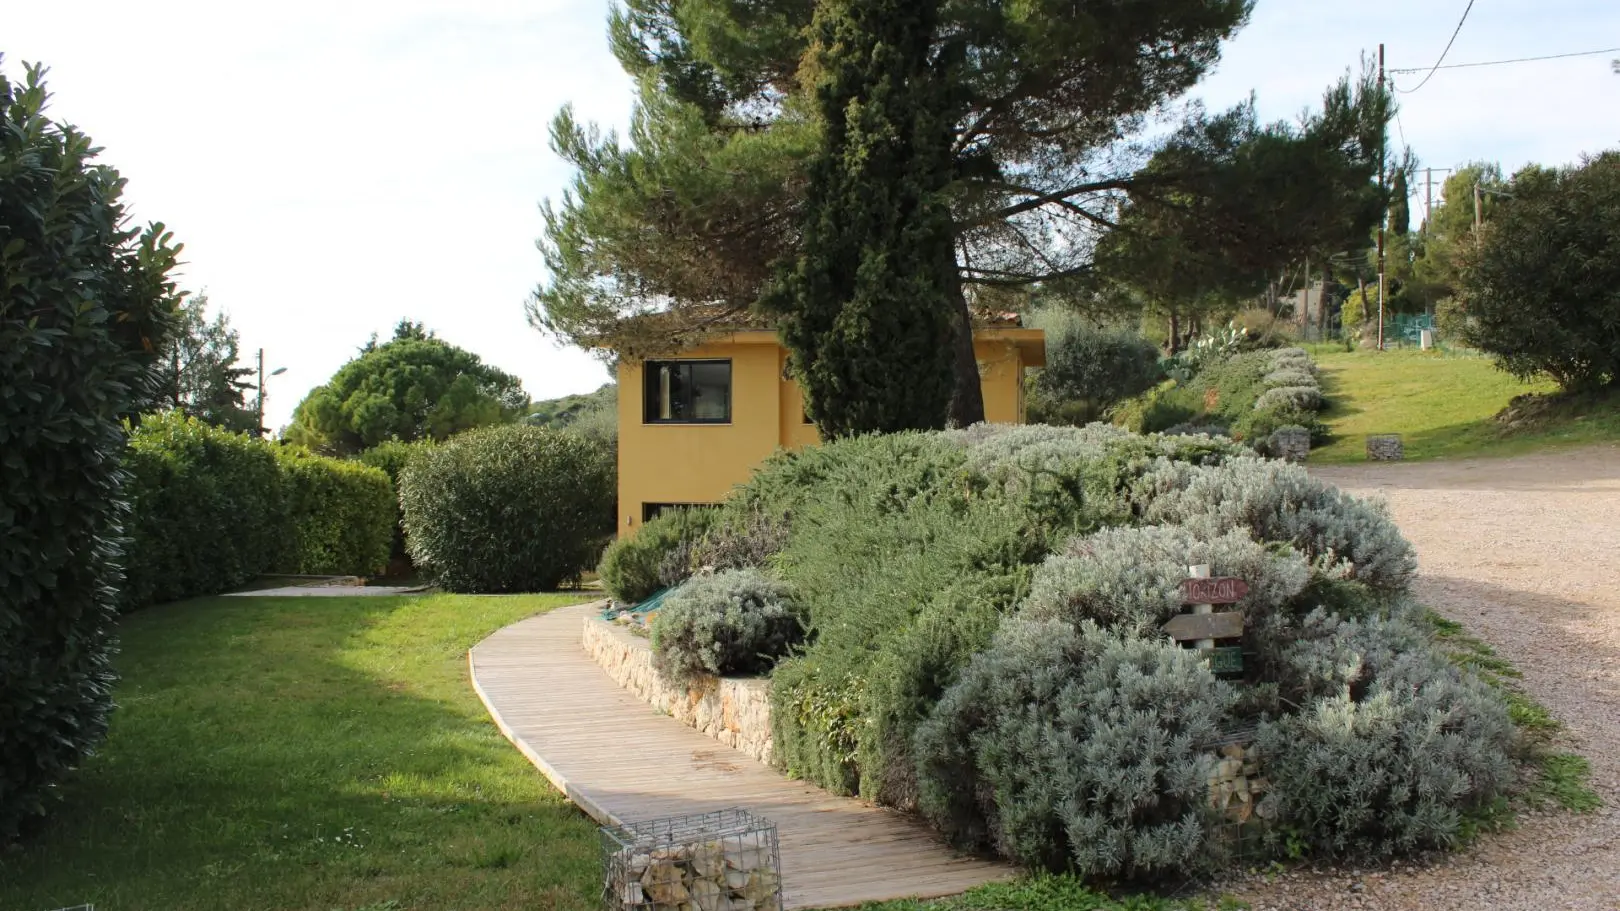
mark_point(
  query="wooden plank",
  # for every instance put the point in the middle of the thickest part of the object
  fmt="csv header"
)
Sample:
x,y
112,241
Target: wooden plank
x,y
619,760
1219,590
1190,627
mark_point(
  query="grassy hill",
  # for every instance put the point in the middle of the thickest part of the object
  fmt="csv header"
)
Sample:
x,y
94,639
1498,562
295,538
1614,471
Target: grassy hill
x,y
1444,406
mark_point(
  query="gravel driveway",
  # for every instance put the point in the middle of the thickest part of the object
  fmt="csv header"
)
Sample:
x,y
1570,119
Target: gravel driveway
x,y
1524,552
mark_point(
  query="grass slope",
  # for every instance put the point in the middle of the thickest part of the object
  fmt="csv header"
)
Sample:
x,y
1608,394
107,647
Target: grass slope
x,y
1441,404
307,753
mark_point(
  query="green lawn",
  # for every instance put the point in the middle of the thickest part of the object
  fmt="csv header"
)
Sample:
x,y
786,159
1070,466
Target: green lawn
x,y
307,753
1441,404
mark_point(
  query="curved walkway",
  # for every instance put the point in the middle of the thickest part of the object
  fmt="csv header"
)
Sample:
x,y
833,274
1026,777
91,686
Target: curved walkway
x,y
618,759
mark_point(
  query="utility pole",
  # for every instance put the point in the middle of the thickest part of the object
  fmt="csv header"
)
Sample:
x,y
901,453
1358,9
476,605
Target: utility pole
x,y
1383,219
259,426
1479,210
1428,196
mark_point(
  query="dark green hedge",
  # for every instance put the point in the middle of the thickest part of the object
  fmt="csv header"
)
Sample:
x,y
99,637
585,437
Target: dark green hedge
x,y
340,516
208,512
392,456
210,509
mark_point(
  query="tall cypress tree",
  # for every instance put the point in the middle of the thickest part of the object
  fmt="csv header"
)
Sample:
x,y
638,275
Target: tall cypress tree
x,y
1400,210
865,306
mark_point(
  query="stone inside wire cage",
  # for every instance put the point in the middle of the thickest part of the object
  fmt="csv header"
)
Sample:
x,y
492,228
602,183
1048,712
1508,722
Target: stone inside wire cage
x,y
727,860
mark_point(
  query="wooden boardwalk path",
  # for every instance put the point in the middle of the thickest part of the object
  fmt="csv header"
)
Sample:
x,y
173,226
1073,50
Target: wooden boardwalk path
x,y
619,760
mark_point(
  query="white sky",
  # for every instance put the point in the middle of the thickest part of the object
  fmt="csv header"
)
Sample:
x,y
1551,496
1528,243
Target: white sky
x,y
335,166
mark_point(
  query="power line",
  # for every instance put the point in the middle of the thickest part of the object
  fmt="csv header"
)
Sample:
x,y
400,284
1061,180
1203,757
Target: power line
x,y
1459,66
1443,53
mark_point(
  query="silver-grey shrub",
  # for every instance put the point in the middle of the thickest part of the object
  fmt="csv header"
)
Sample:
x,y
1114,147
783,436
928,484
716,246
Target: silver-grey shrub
x,y
1341,534
732,622
1077,749
1298,398
1129,578
1392,761
1290,375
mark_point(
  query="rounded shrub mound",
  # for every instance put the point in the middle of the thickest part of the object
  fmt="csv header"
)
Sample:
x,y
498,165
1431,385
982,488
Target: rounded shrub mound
x,y
391,456
508,509
1074,748
1394,747
637,566
731,622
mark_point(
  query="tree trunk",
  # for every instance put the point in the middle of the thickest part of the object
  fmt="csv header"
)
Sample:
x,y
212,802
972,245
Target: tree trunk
x,y
1322,305
967,402
1175,332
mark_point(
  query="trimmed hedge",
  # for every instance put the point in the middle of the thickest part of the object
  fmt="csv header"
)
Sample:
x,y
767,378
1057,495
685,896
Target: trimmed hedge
x,y
508,509
211,509
340,516
207,510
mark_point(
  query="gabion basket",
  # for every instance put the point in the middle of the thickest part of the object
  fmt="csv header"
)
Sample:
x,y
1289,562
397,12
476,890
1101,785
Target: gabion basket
x,y
727,860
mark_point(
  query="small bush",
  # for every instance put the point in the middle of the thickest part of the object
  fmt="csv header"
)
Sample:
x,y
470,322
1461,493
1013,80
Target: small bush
x,y
633,568
1296,398
1289,376
1395,768
732,622
1275,501
1129,579
1065,748
341,515
207,511
508,509
740,539
1102,366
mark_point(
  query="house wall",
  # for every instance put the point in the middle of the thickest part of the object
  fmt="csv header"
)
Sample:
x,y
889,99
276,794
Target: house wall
x,y
701,463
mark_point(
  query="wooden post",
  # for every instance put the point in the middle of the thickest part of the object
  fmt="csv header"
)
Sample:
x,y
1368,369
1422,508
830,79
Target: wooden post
x,y
1201,571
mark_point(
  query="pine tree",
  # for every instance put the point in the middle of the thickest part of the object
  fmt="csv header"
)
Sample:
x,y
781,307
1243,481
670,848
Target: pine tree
x,y
865,307
1400,213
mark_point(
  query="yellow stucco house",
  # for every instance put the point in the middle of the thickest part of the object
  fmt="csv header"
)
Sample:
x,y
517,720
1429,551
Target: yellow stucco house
x,y
694,425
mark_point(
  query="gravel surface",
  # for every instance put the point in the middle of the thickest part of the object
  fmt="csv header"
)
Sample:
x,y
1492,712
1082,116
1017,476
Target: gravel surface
x,y
1524,552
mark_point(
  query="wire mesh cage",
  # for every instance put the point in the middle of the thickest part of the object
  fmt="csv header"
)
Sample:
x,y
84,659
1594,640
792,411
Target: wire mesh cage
x,y
727,860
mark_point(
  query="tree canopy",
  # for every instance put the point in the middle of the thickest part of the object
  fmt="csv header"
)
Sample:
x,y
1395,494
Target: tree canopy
x,y
1540,287
198,373
415,386
1050,119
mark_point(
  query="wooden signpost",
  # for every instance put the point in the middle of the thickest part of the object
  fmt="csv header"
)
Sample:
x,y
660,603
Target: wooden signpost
x,y
1204,627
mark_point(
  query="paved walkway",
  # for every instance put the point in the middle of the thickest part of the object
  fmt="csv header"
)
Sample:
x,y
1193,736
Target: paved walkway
x,y
619,760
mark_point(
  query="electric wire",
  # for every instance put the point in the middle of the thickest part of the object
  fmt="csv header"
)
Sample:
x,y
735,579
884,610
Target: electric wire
x,y
1455,32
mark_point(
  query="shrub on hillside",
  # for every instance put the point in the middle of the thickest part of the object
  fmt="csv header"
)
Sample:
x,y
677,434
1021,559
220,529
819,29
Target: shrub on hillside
x,y
340,516
1065,748
730,622
1275,501
1289,375
636,566
508,509
207,510
1391,758
1129,579
1293,398
391,456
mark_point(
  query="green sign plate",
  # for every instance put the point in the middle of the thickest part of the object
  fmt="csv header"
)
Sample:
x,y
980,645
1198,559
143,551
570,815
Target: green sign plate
x,y
1226,659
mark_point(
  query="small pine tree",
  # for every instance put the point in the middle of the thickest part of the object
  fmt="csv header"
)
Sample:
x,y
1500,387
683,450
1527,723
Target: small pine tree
x,y
865,307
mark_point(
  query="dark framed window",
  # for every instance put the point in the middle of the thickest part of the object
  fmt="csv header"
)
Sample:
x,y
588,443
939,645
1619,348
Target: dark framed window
x,y
651,511
687,392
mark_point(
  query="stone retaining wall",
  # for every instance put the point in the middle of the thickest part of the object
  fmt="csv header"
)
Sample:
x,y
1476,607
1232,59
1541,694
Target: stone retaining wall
x,y
733,710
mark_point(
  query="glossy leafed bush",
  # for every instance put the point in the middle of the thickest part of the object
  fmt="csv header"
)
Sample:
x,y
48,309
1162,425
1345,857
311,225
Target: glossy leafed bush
x,y
508,509
84,301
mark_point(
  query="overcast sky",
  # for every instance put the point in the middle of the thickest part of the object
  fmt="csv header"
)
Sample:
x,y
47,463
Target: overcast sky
x,y
335,166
